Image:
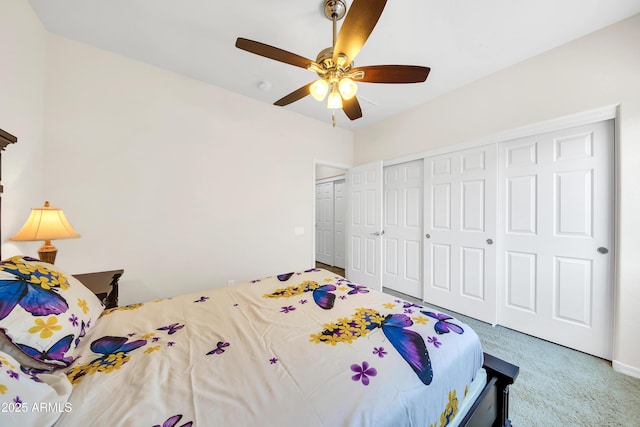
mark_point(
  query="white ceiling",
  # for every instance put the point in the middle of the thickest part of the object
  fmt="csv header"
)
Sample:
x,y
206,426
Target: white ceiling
x,y
461,40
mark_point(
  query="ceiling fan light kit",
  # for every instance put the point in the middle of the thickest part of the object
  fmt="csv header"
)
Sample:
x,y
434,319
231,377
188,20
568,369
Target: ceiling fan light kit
x,y
337,74
319,89
335,100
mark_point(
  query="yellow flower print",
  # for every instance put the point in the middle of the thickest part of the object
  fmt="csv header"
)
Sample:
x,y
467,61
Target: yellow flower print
x,y
389,305
147,336
21,266
342,288
421,320
152,349
45,328
328,280
3,389
105,365
82,303
60,280
126,307
43,281
5,362
316,338
291,291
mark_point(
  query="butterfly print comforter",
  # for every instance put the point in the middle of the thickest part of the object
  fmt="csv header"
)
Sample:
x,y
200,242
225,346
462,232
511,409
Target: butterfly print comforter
x,y
308,348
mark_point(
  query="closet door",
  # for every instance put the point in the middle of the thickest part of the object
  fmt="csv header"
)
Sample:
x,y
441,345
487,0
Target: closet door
x,y
402,239
324,223
557,245
340,210
364,225
459,232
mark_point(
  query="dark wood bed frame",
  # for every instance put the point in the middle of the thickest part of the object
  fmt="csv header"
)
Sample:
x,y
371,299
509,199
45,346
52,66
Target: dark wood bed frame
x,y
5,139
491,408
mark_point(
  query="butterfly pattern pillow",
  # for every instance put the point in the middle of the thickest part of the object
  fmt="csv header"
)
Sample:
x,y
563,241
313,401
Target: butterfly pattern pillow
x,y
29,398
44,312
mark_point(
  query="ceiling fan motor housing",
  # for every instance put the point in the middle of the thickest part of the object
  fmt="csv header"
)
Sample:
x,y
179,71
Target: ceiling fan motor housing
x,y
335,9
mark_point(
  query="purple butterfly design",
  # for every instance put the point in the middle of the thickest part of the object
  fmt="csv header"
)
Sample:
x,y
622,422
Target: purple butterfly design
x,y
55,353
406,304
172,328
442,326
33,373
408,344
220,348
30,296
111,345
322,295
107,346
284,277
202,299
83,331
357,289
173,422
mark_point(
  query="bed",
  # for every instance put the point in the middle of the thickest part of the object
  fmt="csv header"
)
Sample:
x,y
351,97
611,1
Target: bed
x,y
305,348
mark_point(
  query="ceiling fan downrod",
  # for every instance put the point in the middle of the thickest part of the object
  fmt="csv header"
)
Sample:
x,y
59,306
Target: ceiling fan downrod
x,y
335,10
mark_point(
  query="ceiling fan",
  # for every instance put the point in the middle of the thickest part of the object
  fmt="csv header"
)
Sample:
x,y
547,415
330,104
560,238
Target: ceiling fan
x,y
334,65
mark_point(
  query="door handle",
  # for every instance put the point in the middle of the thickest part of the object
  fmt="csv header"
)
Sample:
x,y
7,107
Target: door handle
x,y
428,236
603,250
489,241
378,233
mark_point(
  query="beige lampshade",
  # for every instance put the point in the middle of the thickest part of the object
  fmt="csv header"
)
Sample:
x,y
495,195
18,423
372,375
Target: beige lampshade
x,y
46,224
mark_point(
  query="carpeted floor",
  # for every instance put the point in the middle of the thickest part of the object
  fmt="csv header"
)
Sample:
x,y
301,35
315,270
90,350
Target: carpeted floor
x,y
557,386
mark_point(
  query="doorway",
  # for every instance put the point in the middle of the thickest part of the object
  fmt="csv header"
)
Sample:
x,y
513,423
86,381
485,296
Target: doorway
x,y
329,216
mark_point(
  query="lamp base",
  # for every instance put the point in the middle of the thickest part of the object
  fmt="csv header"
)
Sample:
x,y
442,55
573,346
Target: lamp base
x,y
48,252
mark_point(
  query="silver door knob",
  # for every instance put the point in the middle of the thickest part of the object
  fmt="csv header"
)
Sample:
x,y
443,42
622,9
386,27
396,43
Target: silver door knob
x,y
428,236
603,250
489,242
378,233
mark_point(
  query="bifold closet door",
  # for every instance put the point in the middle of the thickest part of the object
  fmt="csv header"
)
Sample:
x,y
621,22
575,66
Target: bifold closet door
x,y
402,239
557,236
324,223
459,232
339,216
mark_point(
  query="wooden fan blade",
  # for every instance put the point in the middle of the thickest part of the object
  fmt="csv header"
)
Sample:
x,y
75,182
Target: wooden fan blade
x,y
272,52
361,18
293,96
352,108
393,73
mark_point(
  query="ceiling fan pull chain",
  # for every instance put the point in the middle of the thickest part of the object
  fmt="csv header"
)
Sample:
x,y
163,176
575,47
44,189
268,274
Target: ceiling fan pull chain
x,y
333,118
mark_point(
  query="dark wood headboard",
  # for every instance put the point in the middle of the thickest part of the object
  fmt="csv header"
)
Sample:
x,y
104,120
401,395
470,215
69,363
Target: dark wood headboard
x,y
5,139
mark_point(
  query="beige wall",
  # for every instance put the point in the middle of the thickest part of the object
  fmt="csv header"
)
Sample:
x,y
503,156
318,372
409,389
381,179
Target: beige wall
x,y
22,79
595,71
182,184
